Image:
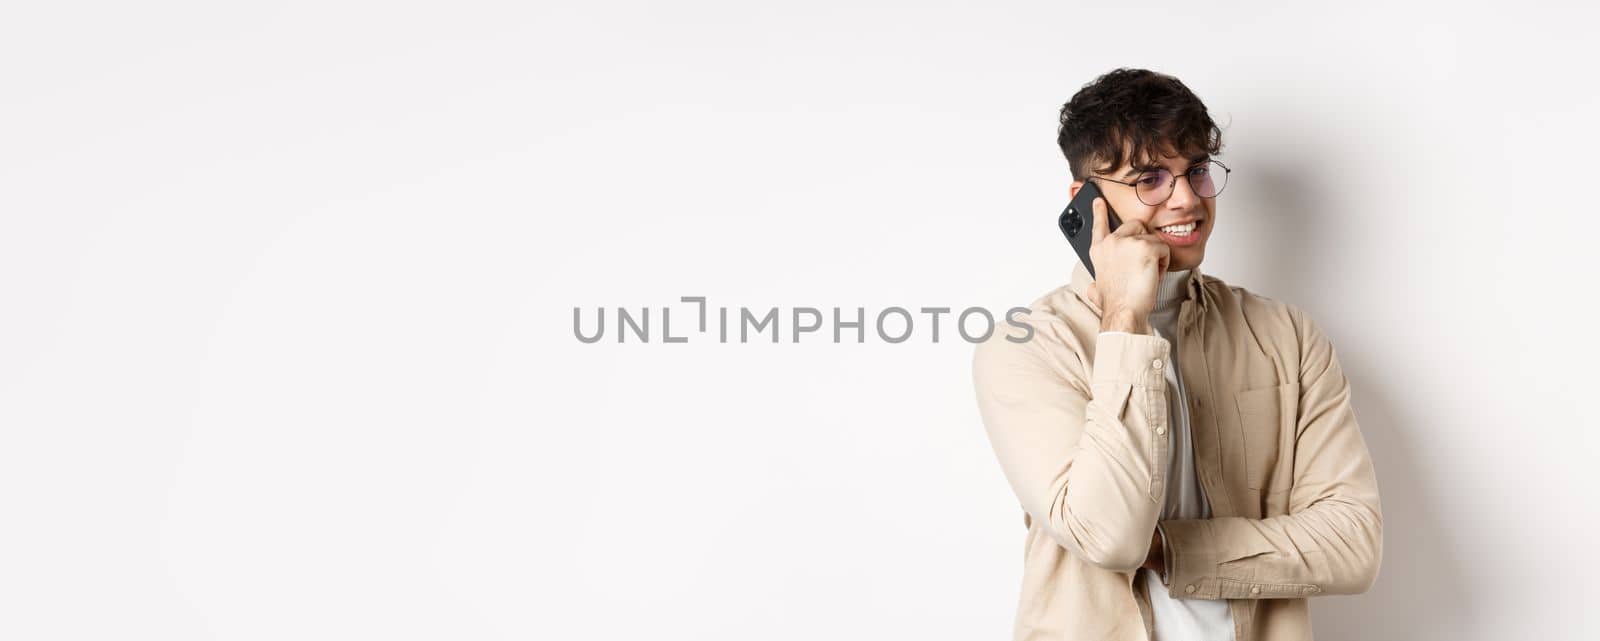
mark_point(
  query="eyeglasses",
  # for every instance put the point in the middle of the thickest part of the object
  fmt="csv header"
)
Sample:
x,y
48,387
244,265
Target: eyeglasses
x,y
1155,186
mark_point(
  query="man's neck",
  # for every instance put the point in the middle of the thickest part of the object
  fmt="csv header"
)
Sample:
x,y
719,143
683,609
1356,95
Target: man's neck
x,y
1172,289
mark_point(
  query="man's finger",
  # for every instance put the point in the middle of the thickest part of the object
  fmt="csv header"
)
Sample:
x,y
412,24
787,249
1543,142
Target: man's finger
x,y
1131,228
1102,227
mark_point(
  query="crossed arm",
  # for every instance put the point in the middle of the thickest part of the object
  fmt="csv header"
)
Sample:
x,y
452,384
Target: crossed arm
x,y
1086,458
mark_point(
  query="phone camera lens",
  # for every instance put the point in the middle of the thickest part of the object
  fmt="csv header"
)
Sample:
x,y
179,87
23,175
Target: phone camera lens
x,y
1072,222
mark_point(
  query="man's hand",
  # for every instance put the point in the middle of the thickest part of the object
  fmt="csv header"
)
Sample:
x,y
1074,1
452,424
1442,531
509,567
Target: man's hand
x,y
1155,559
1128,266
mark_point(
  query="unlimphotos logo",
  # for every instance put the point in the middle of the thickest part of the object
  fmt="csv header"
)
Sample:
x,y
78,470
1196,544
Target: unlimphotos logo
x,y
891,324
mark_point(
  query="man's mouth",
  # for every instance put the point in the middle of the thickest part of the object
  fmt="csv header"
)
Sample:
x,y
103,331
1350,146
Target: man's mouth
x,y
1182,235
1181,231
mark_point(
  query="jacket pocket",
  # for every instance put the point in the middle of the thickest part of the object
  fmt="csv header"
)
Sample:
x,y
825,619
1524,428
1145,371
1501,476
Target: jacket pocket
x,y
1266,422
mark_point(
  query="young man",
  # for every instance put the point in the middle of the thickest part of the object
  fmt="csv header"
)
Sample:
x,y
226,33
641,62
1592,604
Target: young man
x,y
1185,452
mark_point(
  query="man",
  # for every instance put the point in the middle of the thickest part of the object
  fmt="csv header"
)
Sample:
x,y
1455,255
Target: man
x,y
1185,452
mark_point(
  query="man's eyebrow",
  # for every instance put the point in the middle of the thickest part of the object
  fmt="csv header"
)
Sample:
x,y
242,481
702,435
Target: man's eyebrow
x,y
1134,171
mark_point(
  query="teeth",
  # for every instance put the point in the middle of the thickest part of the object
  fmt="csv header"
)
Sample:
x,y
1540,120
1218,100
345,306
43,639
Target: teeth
x,y
1179,230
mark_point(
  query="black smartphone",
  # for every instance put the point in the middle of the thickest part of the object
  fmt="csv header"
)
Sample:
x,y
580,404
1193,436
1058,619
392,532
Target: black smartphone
x,y
1077,222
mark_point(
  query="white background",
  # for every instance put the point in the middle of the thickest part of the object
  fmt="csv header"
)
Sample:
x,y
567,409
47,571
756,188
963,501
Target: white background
x,y
286,294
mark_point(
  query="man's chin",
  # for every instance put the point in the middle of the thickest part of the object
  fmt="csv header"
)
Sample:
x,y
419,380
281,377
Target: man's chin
x,y
1188,257
1187,263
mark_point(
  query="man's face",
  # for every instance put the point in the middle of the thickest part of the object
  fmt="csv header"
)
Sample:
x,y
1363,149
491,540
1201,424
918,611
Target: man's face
x,y
1183,206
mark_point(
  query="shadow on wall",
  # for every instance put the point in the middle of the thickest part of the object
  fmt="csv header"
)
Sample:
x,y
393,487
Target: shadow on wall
x,y
1420,592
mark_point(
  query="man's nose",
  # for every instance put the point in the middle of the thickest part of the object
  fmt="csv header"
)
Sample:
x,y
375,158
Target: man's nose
x,y
1183,196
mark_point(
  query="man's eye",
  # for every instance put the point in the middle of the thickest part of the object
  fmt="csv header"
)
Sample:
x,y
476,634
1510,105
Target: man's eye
x,y
1149,181
1199,171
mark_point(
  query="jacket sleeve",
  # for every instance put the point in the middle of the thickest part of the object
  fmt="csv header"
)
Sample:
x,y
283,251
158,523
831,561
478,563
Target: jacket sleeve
x,y
1086,458
1330,542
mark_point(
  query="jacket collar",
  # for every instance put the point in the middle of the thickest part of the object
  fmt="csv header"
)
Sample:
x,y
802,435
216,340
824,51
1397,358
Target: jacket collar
x,y
1194,290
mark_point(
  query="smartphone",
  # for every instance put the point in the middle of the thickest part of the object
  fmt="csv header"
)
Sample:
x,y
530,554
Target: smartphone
x,y
1077,222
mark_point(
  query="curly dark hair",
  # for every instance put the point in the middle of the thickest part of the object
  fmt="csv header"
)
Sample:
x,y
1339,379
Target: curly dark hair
x,y
1133,116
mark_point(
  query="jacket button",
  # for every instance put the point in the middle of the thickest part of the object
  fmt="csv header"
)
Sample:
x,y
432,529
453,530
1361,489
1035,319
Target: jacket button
x,y
1189,589
1160,431
1255,589
1156,364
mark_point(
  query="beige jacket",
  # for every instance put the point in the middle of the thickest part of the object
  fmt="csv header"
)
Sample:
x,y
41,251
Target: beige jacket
x,y
1079,423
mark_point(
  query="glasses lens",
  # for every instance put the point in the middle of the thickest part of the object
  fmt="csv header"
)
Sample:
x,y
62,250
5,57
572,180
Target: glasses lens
x,y
1153,186
1208,179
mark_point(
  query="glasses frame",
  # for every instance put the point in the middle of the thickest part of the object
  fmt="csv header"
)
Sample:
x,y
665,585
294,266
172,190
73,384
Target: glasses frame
x,y
1173,186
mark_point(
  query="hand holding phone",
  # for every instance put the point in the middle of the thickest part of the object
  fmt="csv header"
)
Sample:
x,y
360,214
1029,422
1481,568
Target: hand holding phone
x,y
1132,260
1077,222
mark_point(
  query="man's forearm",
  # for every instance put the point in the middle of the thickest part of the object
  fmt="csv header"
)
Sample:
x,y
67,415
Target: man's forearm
x,y
1124,322
1089,469
1332,548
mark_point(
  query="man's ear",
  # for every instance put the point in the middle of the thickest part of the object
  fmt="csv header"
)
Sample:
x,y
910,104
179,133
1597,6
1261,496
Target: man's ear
x,y
1072,190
